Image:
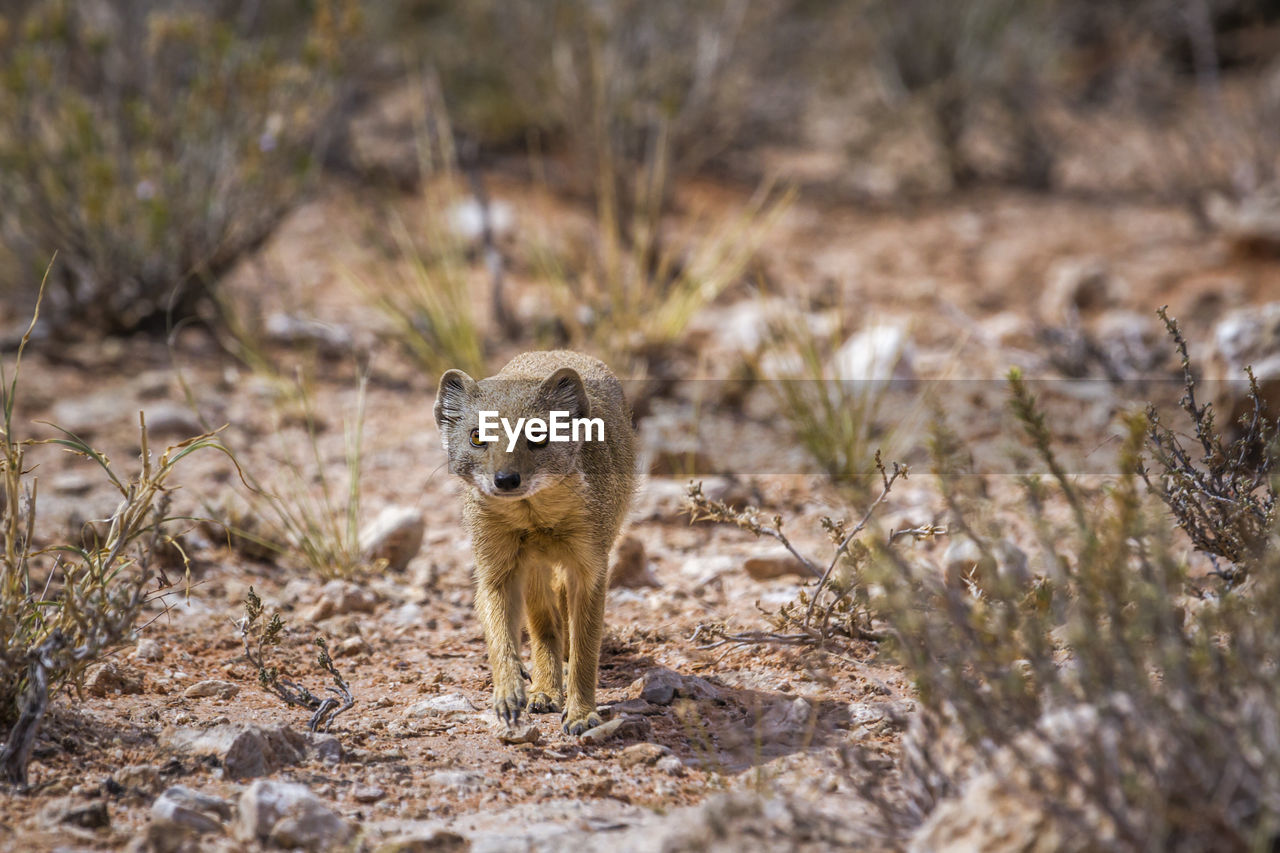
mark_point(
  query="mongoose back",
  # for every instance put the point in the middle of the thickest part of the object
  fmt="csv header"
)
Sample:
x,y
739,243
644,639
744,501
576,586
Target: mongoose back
x,y
543,513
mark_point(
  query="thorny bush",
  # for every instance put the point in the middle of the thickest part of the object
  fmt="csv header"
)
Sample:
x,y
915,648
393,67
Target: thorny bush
x,y
1221,493
1130,703
259,635
65,606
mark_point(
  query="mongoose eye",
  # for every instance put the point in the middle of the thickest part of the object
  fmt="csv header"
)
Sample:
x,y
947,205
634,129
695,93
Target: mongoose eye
x,y
476,441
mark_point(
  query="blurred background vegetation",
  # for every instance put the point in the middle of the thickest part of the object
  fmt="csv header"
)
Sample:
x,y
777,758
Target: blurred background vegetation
x,y
154,144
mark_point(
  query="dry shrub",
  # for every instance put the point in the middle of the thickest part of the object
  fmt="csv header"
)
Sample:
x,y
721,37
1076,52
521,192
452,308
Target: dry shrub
x,y
1221,493
606,82
66,606
259,635
842,406
631,296
836,609
151,145
426,295
965,69
300,511
1132,703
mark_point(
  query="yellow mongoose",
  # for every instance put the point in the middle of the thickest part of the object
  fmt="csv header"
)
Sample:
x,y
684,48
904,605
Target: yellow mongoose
x,y
543,509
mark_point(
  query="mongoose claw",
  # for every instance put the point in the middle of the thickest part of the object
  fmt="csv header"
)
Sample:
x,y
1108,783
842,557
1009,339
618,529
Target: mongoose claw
x,y
509,706
579,725
542,703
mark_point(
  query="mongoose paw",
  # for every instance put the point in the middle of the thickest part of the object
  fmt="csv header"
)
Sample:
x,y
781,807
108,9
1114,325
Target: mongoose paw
x,y
542,703
508,705
580,723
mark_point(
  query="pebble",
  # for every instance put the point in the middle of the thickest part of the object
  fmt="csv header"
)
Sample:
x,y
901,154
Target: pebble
x,y
439,841
394,536
631,728
338,598
110,678
72,483
286,814
211,688
87,415
1250,225
964,561
444,705
867,713
171,421
661,686
642,754
297,331
181,811
459,780
69,811
352,646
1077,286
876,354
635,707
260,751
524,733
139,777
328,748
786,721
670,764
248,751
148,650
367,793
1246,337
660,498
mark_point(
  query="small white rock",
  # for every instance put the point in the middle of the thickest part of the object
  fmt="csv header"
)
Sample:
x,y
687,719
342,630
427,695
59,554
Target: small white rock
x,y
211,688
671,765
148,650
877,354
444,705
288,815
394,536
964,561
524,733
352,646
181,811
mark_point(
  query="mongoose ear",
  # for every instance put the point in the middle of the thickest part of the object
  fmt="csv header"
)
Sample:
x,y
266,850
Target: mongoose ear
x,y
455,392
563,391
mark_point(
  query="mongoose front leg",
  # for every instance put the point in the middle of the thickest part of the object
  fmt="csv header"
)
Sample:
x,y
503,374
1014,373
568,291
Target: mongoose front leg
x,y
543,616
498,607
586,589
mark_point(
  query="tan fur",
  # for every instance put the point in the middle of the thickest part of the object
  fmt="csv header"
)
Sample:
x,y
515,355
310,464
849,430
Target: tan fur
x,y
542,558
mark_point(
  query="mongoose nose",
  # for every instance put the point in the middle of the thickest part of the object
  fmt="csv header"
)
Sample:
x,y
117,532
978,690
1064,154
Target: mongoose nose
x,y
507,480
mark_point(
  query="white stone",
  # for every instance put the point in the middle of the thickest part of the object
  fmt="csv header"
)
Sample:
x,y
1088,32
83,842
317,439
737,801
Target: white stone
x,y
288,815
394,536
879,353
211,688
444,705
148,650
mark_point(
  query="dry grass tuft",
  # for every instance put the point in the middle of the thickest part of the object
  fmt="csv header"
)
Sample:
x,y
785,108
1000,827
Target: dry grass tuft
x,y
64,607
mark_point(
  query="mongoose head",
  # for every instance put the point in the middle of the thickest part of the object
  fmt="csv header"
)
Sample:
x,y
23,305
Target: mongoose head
x,y
510,465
